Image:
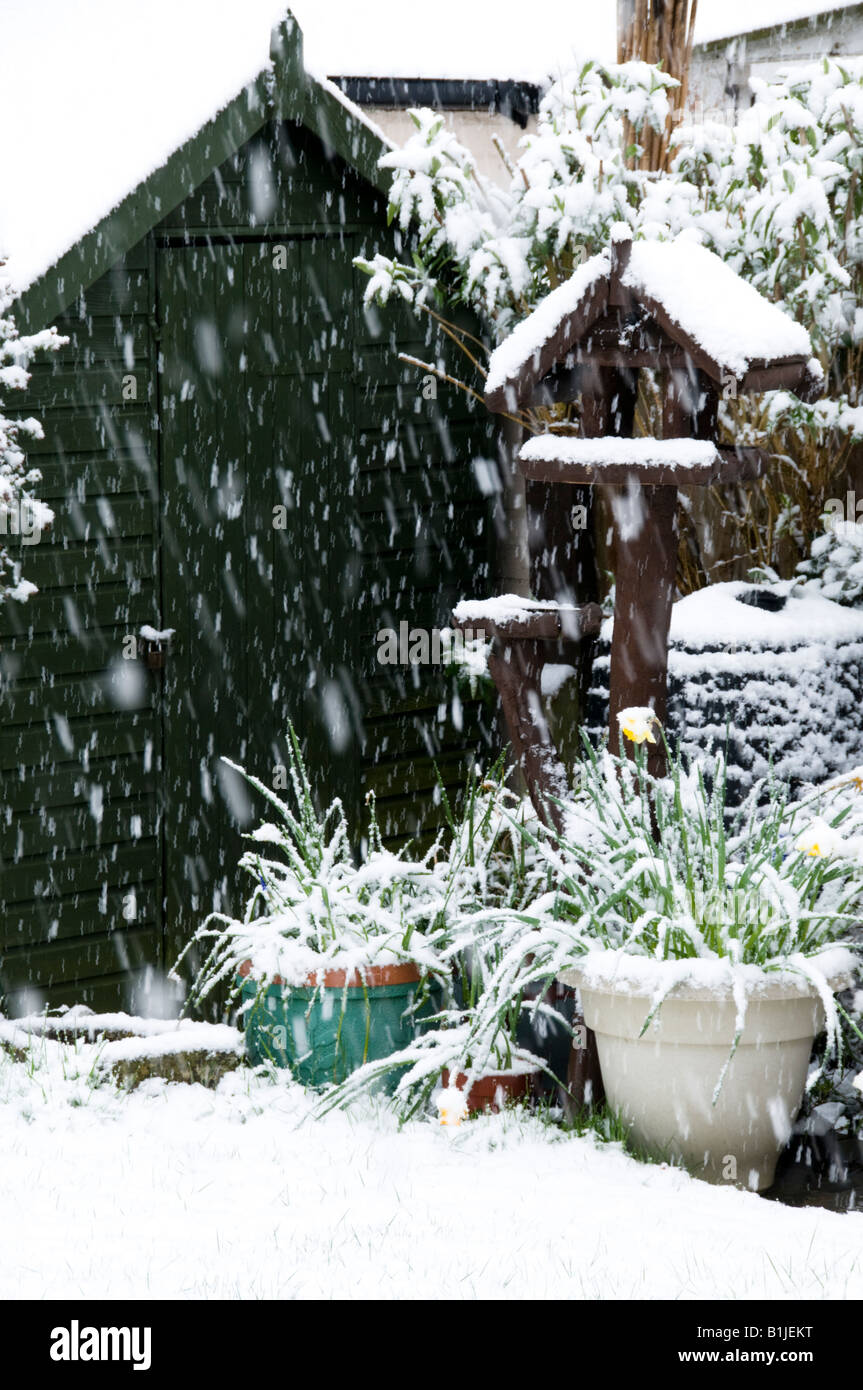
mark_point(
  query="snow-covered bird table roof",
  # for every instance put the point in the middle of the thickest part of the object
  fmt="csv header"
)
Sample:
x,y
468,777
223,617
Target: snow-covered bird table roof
x,y
659,304
677,309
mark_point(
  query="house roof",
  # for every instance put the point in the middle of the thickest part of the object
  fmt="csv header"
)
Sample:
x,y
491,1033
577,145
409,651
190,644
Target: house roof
x,y
726,19
495,40
503,39
145,123
719,321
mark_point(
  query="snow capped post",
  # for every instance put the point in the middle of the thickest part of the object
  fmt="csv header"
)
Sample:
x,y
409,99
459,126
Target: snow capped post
x,y
621,248
677,309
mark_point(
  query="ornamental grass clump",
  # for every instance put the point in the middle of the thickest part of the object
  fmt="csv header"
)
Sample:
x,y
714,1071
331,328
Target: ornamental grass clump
x,y
312,907
489,865
656,867
661,868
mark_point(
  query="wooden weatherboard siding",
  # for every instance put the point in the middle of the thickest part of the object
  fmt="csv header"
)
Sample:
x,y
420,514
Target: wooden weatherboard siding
x,y
79,747
228,352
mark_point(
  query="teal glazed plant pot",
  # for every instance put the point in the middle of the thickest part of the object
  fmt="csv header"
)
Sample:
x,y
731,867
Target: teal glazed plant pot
x,y
325,1030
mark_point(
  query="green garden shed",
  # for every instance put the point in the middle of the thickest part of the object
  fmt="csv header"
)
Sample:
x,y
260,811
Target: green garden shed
x,y
233,451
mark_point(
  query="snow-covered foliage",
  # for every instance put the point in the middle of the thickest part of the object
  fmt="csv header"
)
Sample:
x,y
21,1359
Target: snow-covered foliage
x,y
653,887
312,908
834,568
778,197
653,882
505,249
21,512
488,863
663,874
467,659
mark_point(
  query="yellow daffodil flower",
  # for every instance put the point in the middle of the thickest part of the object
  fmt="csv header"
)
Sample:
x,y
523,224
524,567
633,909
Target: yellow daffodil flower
x,y
819,840
452,1106
637,724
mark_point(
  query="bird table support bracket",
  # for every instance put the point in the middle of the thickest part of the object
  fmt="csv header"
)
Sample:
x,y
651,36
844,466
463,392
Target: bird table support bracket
x,y
524,633
516,670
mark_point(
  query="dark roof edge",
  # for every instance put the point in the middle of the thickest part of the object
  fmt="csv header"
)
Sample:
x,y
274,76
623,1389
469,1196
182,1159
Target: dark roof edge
x,y
284,92
517,100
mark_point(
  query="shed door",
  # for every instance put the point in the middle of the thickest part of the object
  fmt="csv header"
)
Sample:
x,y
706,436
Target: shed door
x,y
256,408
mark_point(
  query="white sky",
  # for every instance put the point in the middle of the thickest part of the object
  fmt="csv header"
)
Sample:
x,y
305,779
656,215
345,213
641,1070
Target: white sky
x,y
494,38
98,93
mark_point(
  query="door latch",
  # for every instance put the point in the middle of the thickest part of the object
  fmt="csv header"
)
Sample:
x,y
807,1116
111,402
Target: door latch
x,y
154,646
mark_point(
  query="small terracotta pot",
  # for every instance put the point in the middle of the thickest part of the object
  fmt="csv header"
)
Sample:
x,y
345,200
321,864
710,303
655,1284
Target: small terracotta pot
x,y
491,1092
372,976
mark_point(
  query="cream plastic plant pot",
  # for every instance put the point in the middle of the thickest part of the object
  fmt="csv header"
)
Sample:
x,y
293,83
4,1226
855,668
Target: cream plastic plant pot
x,y
662,1084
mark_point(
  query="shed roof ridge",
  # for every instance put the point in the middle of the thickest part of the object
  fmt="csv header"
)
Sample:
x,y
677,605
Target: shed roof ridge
x,y
282,89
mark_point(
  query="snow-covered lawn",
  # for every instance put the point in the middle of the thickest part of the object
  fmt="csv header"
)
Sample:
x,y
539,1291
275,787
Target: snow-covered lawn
x,y
174,1191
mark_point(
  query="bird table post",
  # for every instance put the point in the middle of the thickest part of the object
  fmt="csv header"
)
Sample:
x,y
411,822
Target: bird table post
x,y
645,570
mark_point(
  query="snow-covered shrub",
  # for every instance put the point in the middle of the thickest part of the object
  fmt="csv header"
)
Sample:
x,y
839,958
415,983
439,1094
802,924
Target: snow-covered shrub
x,y
503,249
467,659
773,689
21,512
778,196
834,568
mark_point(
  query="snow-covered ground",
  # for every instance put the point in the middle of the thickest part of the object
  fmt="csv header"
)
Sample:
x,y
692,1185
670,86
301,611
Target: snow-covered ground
x,y
174,1191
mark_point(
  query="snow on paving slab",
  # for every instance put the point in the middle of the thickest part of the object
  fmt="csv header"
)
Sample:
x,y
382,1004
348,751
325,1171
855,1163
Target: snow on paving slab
x,y
177,1192
186,1036
81,1020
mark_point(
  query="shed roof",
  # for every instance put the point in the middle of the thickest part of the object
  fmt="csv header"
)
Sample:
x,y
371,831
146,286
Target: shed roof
x,y
717,318
154,106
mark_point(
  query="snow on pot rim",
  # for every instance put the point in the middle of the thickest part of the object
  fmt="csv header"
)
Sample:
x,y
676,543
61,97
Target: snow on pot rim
x,y
270,958
711,977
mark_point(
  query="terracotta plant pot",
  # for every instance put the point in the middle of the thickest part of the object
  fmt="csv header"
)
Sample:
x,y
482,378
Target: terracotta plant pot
x,y
491,1092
